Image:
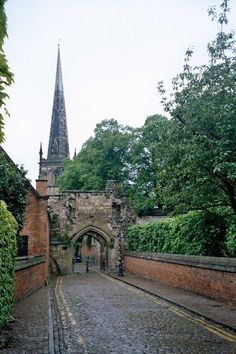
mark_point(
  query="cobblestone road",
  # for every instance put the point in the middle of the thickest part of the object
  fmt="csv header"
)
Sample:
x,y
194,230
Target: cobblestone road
x,y
95,314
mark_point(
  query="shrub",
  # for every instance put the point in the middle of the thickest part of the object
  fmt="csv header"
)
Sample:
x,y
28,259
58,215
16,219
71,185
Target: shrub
x,y
231,238
206,233
149,237
8,229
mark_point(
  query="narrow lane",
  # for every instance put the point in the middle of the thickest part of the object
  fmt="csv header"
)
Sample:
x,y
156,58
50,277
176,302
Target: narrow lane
x,y
95,314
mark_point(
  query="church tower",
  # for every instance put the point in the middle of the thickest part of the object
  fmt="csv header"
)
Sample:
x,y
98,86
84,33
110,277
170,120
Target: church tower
x,y
58,146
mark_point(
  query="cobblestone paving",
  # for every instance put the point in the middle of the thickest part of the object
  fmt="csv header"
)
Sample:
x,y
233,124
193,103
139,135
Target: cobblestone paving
x,y
95,314
29,332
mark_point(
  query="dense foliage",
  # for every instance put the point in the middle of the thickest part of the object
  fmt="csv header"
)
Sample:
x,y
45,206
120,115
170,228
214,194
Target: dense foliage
x,y
231,238
145,163
131,157
195,233
6,77
201,155
13,187
8,229
101,158
184,164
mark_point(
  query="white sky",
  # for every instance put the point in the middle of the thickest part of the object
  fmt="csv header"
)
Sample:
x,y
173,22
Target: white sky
x,y
113,54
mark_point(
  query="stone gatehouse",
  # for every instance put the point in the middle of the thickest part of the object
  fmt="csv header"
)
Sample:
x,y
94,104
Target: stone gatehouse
x,y
102,215
77,215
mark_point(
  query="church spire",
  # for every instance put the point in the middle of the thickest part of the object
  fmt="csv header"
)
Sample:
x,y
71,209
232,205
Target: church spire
x,y
40,159
58,147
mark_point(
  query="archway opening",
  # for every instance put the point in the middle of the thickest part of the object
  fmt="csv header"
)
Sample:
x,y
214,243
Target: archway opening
x,y
91,245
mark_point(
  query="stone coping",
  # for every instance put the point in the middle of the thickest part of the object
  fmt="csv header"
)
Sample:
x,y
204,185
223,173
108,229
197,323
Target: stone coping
x,y
29,261
85,192
216,263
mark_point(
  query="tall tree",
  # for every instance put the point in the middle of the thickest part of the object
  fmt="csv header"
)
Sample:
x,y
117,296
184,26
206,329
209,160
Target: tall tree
x,y
101,158
201,168
132,157
6,77
145,164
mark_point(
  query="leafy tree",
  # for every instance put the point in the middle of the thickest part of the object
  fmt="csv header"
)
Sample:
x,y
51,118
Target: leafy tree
x,y
201,157
132,157
6,77
188,162
13,187
145,164
101,158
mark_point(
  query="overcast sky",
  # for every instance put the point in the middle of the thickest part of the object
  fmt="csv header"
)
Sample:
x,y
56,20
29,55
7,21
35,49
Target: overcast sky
x,y
113,54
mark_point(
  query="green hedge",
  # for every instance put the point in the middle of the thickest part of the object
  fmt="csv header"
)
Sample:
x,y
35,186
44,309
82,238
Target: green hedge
x,y
231,239
8,230
196,233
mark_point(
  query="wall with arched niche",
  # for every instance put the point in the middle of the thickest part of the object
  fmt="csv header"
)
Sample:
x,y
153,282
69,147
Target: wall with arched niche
x,y
104,213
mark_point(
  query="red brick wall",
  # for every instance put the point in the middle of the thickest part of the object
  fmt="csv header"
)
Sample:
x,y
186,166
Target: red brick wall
x,y
215,284
91,252
41,187
28,280
36,227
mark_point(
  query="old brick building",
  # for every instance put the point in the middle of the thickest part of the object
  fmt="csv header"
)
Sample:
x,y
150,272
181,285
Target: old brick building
x,y
32,259
31,268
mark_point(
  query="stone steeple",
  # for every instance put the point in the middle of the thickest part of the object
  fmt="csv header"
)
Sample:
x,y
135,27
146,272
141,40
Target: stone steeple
x,y
58,146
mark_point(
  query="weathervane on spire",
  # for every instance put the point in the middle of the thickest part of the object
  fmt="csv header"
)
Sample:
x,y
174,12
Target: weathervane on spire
x,y
58,42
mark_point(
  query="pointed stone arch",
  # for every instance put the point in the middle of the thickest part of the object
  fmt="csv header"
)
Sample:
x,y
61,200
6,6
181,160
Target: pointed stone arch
x,y
102,214
104,240
91,228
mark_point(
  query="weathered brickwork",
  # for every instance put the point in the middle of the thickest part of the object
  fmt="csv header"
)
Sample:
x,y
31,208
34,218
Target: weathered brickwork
x,y
216,284
36,224
30,278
